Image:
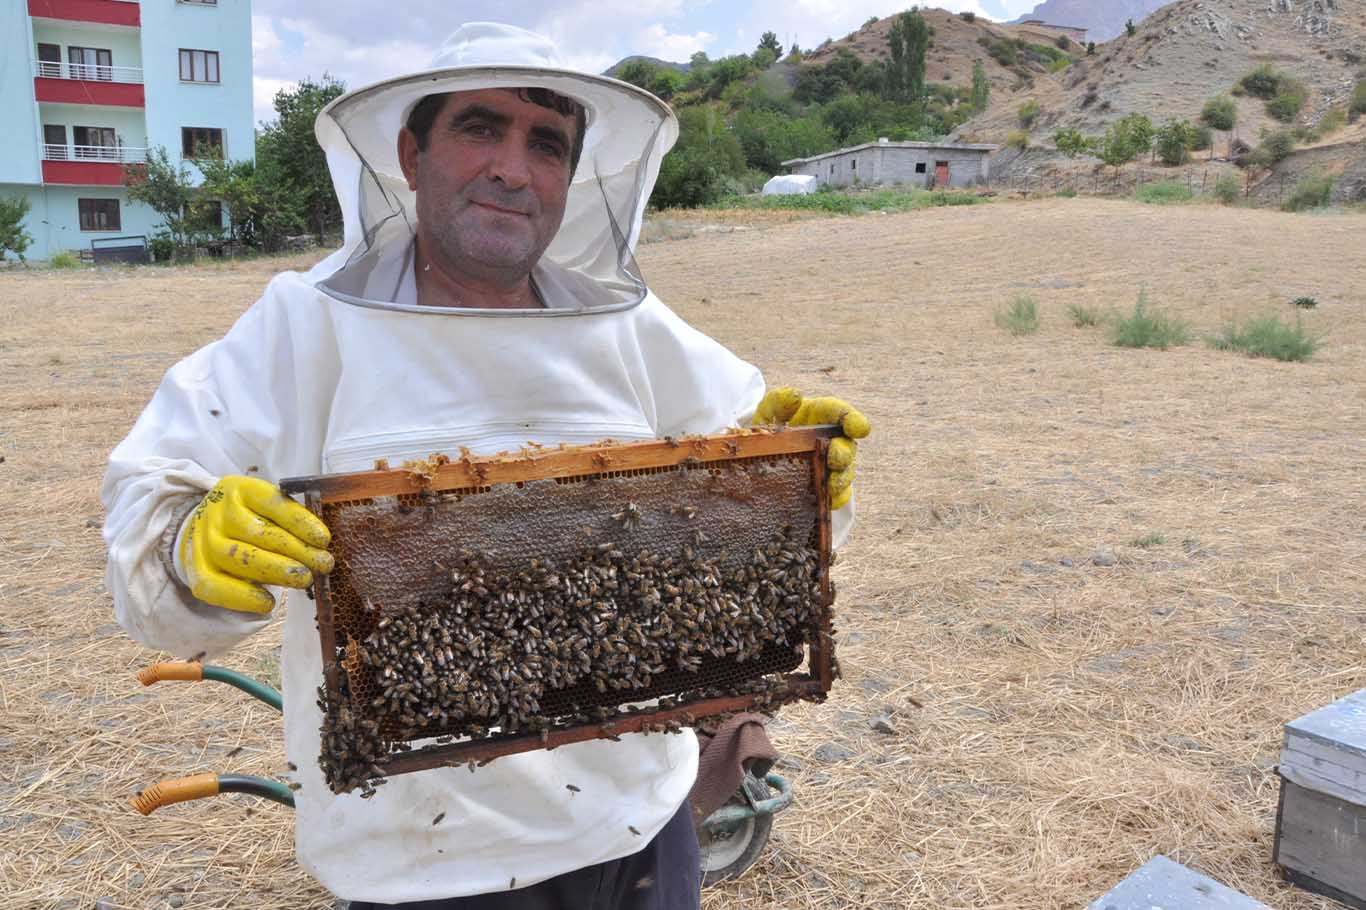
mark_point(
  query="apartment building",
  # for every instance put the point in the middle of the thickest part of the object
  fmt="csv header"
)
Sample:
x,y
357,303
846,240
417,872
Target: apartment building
x,y
88,86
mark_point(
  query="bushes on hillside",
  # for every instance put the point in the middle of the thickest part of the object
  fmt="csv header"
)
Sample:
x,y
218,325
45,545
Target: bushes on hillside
x,y
1274,148
1017,139
1263,82
1358,103
706,157
1314,191
1220,113
1289,101
1028,113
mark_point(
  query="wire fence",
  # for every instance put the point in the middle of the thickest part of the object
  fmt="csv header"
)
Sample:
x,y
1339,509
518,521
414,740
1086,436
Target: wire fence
x,y
1198,181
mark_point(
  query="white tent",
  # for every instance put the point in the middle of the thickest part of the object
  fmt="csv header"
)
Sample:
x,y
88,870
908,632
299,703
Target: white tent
x,y
790,185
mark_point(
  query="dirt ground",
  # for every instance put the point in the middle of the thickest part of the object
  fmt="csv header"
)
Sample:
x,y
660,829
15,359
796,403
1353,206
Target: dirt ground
x,y
1087,588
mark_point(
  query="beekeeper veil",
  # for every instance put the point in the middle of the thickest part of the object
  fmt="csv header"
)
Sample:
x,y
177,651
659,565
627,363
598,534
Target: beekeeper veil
x,y
590,260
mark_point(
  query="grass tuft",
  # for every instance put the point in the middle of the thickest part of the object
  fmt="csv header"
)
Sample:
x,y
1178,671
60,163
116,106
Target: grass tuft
x,y
1268,336
64,260
1084,317
1148,541
1165,193
1144,328
1021,317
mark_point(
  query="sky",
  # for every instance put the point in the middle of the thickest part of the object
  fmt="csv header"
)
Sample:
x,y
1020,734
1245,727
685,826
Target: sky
x,y
296,39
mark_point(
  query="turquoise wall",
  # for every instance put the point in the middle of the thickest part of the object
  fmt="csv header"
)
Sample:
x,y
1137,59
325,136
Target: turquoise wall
x,y
172,104
18,111
54,217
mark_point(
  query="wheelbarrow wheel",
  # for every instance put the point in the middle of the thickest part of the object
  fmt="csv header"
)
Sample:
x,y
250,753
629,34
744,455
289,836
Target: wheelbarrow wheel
x,y
727,851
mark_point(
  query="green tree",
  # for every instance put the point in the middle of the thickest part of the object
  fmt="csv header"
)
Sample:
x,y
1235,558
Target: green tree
x,y
166,189
1090,48
290,159
1028,113
1071,142
908,40
1174,141
707,153
1130,29
981,87
770,137
13,238
769,41
1125,140
234,184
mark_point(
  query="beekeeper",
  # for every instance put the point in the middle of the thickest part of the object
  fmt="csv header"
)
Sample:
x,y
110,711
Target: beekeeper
x,y
485,295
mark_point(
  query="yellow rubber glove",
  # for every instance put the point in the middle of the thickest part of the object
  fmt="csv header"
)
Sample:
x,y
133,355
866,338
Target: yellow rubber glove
x,y
786,405
247,533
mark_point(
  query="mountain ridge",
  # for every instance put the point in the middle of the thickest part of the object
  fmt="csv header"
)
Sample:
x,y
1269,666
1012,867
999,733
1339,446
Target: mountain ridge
x,y
1103,19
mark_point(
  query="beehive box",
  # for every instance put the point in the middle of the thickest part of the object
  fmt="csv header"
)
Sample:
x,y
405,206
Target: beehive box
x,y
1321,818
485,606
1164,884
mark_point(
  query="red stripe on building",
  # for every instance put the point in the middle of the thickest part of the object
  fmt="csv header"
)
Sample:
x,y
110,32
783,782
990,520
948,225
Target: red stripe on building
x,y
109,12
88,91
83,173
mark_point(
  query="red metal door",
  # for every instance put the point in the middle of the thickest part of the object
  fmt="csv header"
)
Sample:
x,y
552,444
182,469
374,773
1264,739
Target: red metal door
x,y
941,173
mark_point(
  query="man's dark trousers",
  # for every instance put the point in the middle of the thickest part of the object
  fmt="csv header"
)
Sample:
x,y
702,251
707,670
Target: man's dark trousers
x,y
666,875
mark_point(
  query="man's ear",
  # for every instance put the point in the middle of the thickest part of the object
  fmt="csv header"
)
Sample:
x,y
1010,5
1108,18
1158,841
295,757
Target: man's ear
x,y
407,156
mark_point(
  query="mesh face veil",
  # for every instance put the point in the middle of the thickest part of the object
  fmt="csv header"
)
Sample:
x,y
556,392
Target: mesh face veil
x,y
589,265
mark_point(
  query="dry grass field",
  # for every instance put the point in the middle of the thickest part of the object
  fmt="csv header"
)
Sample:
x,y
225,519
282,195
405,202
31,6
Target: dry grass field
x,y
1056,721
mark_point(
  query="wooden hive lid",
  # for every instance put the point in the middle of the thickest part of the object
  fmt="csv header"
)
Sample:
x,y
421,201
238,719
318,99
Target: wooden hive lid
x,y
1325,750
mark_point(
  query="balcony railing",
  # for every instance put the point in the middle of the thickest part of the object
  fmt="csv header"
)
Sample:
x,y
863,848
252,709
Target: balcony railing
x,y
88,72
121,154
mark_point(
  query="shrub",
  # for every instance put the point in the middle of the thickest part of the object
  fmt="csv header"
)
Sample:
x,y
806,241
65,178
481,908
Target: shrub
x,y
1028,113
1175,139
1314,191
1066,193
1304,303
1289,101
1268,336
1164,193
1220,113
1083,316
1021,317
161,246
1263,82
1071,142
1226,189
1148,541
13,238
1090,48
64,260
968,16
1063,42
1143,328
1130,29
1275,148
1018,139
1358,104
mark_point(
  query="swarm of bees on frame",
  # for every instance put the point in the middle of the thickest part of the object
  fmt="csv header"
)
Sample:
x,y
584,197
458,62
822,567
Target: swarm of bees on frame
x,y
482,660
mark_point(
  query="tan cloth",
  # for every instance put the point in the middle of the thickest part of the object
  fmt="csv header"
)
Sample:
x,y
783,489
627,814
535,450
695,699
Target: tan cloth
x,y
739,742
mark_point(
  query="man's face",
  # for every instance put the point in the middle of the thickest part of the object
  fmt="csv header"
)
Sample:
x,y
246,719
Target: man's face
x,y
492,181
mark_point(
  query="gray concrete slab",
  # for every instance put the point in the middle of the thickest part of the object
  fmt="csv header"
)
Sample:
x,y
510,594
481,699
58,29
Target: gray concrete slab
x,y
1163,884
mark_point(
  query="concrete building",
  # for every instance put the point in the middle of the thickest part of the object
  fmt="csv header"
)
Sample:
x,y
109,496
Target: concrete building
x,y
923,164
87,86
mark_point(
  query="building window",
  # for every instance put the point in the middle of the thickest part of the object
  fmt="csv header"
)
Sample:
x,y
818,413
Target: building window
x,y
832,169
198,66
99,214
96,142
54,142
50,60
91,63
853,165
201,142
920,167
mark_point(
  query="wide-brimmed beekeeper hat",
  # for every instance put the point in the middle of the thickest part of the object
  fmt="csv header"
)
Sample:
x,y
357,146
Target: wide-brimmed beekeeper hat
x,y
628,132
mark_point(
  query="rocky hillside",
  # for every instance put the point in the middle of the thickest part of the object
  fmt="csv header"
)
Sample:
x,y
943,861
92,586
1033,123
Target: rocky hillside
x,y
958,42
1188,52
1104,19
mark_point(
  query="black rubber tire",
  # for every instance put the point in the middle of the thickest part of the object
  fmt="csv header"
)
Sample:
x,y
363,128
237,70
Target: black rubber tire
x,y
721,864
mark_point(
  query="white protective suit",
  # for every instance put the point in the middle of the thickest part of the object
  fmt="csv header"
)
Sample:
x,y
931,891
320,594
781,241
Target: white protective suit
x,y
335,368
